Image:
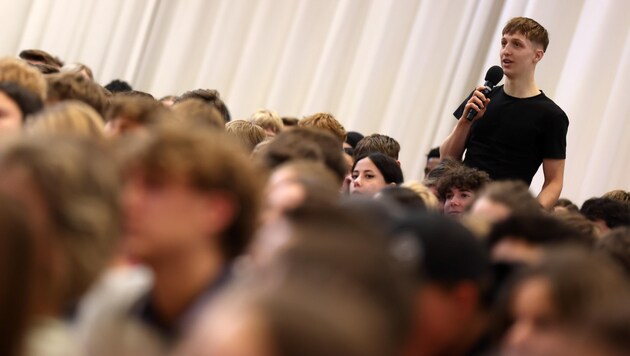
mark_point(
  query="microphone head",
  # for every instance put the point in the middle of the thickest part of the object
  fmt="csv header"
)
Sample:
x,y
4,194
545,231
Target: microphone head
x,y
494,75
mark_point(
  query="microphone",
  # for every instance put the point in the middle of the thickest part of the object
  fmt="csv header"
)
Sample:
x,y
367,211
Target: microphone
x,y
493,77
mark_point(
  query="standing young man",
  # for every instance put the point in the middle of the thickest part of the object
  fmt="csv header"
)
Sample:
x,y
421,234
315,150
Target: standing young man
x,y
516,127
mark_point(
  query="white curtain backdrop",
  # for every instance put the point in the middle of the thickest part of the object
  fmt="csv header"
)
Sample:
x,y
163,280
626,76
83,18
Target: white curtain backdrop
x,y
398,67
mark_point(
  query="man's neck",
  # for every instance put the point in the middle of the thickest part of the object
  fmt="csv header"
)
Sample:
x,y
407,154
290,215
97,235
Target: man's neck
x,y
470,336
178,283
521,87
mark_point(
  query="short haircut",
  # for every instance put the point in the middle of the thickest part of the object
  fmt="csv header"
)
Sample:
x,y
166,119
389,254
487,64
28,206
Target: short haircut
x,y
141,110
388,167
28,102
377,143
290,121
567,204
305,143
196,112
117,86
616,244
268,120
211,97
353,137
326,122
427,196
19,72
78,182
531,29
67,86
68,117
441,170
208,161
612,212
403,197
537,229
578,222
247,133
462,178
515,195
619,195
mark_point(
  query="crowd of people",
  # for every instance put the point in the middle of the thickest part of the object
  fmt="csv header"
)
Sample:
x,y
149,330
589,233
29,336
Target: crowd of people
x,y
131,225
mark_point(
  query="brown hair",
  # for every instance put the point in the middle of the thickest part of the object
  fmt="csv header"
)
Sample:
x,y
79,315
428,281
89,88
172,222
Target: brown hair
x,y
427,196
66,86
377,143
39,56
208,161
19,72
78,184
247,133
531,29
578,222
79,68
441,170
463,178
514,195
618,195
209,96
16,264
326,122
138,109
68,117
196,112
616,244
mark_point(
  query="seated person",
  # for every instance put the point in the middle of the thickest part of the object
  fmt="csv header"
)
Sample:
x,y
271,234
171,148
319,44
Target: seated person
x,y
458,189
373,172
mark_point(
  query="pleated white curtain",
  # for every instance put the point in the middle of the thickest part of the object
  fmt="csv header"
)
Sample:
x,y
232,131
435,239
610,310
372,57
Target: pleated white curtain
x,y
398,67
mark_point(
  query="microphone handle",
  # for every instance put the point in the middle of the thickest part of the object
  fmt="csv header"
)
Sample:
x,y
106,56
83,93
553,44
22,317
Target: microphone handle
x,y
487,90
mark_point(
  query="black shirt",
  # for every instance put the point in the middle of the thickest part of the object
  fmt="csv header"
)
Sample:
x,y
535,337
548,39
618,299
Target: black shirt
x,y
515,134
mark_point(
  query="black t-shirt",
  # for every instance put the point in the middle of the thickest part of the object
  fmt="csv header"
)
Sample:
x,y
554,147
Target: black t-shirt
x,y
514,136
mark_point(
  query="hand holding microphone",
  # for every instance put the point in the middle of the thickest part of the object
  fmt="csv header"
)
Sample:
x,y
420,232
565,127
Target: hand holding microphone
x,y
478,99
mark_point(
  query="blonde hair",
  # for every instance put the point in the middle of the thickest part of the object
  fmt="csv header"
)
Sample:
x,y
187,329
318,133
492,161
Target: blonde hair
x,y
69,117
268,120
247,133
427,196
17,71
326,122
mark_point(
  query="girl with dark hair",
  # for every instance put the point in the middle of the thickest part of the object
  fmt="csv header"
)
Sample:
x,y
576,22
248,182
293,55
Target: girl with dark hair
x,y
373,172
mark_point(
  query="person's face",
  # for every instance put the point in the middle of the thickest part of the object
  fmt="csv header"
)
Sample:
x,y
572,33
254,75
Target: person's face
x,y
534,318
489,210
10,115
366,178
456,201
518,54
170,218
431,163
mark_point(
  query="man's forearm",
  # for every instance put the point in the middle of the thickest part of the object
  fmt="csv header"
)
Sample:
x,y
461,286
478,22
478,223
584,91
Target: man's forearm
x,y
549,194
455,143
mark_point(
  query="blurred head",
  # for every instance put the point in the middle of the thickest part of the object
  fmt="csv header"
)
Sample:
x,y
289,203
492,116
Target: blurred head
x,y
75,86
565,204
79,68
427,196
69,186
210,97
69,117
374,172
132,114
245,132
118,86
16,103
16,71
269,120
352,138
619,195
37,56
498,200
326,122
198,113
433,159
403,197
565,305
451,301
443,169
616,245
189,190
606,213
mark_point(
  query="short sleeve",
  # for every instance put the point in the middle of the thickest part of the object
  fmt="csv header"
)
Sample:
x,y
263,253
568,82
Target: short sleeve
x,y
555,136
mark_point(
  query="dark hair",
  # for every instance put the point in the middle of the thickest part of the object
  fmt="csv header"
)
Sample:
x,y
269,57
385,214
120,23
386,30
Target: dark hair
x,y
16,266
442,169
537,229
612,212
462,178
388,167
377,143
567,204
616,244
117,86
290,121
38,55
136,93
353,137
28,102
211,97
434,153
66,86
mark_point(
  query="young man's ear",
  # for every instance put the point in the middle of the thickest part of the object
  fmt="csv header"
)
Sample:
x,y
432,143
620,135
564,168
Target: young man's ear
x,y
539,55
